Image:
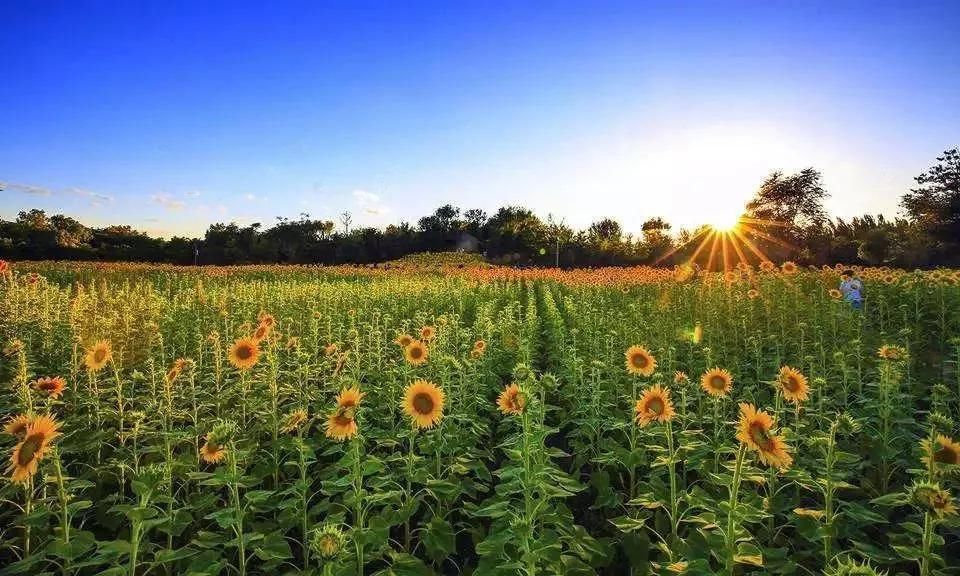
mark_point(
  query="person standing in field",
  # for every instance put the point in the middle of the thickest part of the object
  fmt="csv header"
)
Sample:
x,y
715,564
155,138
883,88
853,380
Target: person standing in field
x,y
852,289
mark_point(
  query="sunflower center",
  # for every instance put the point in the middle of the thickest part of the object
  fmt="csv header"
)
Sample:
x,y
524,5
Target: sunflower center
x,y
99,355
655,405
790,384
343,419
28,449
244,352
328,545
639,361
718,383
416,352
48,385
946,456
760,435
423,403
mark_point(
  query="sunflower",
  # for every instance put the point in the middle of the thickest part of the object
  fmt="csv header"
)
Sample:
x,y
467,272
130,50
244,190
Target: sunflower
x,y
330,349
639,361
427,333
680,377
294,420
404,340
892,353
789,268
98,355
480,345
511,400
835,294
415,353
262,332
328,541
349,398
754,432
423,402
654,406
51,386
716,382
341,425
947,453
34,446
793,384
244,353
17,426
212,452
942,504
267,320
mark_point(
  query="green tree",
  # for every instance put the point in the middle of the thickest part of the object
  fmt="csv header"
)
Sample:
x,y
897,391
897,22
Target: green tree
x,y
935,204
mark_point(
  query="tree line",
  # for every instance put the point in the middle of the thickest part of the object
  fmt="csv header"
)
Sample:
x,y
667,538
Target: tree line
x,y
786,219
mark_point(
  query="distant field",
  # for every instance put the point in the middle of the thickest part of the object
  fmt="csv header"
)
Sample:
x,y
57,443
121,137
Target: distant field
x,y
441,416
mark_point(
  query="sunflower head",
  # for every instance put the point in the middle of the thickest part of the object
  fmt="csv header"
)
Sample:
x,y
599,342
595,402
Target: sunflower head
x,y
932,498
294,420
267,320
943,451
330,349
349,398
512,400
341,424
835,294
716,382
328,541
52,386
789,268
17,426
423,403
793,384
35,444
427,333
98,355
213,451
404,340
755,431
680,377
244,353
654,406
892,353
261,332
639,361
415,353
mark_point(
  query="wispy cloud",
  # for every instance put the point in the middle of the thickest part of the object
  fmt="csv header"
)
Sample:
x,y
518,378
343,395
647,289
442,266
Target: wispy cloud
x,y
25,189
370,203
167,201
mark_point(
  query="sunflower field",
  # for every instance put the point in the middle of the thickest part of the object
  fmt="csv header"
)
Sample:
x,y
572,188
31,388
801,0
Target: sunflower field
x,y
449,420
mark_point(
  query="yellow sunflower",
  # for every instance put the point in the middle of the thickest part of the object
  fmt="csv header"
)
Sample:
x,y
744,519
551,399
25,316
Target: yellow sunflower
x,y
350,397
51,386
404,340
639,361
942,504
716,382
789,268
17,426
294,420
415,353
754,431
212,452
654,405
892,353
427,333
680,377
793,384
244,353
267,320
423,402
947,451
98,355
34,446
341,424
262,332
480,345
511,400
835,294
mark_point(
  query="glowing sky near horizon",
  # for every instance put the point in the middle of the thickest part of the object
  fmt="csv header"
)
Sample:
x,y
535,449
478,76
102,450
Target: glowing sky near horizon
x,y
172,115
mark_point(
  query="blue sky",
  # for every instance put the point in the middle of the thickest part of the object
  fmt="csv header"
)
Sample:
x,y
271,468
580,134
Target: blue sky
x,y
173,115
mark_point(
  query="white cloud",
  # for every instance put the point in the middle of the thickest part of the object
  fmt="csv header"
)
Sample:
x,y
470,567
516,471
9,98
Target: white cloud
x,y
370,203
250,197
167,201
25,188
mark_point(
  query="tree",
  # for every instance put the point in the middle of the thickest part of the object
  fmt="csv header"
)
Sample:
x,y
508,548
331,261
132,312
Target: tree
x,y
786,209
934,205
346,218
